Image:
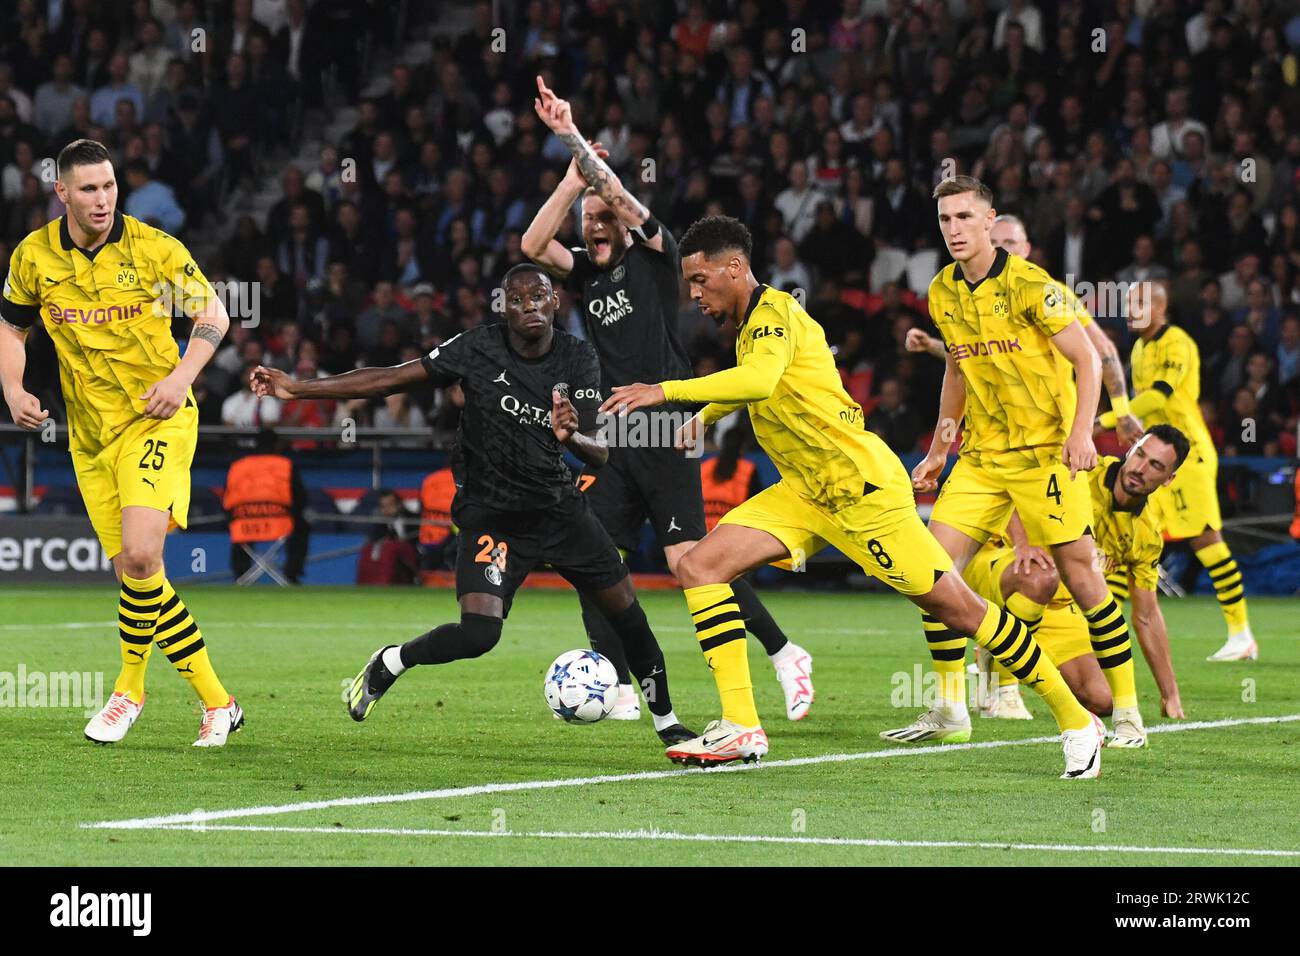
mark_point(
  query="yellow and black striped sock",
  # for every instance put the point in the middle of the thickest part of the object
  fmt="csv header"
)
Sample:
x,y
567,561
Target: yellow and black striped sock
x,y
1010,642
947,657
1108,632
720,630
178,636
1030,612
1228,585
137,615
1118,584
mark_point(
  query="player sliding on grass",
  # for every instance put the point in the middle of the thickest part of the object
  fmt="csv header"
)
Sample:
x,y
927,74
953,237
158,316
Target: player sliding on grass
x,y
627,276
530,392
1015,348
1128,539
105,286
840,485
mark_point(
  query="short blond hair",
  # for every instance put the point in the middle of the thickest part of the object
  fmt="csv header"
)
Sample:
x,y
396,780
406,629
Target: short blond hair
x,y
956,185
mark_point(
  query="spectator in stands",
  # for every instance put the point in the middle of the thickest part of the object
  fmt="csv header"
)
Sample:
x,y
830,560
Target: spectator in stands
x,y
893,419
384,308
152,201
244,409
389,557
103,103
1248,432
1288,352
788,272
304,251
52,108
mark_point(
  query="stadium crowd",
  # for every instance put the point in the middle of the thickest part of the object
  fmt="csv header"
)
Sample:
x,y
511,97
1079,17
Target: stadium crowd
x,y
1135,139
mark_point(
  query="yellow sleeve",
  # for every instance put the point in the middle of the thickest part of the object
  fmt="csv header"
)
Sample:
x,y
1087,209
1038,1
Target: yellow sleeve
x,y
20,303
178,271
1175,360
716,411
1049,305
1146,567
759,370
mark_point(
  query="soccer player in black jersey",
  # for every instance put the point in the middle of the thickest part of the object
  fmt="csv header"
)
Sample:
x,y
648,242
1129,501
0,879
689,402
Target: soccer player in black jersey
x,y
627,277
530,392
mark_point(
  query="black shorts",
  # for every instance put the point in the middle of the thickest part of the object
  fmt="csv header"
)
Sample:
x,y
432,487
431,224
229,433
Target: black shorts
x,y
498,549
638,484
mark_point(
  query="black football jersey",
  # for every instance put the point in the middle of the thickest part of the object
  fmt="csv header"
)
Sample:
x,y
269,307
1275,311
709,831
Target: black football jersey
x,y
630,312
506,456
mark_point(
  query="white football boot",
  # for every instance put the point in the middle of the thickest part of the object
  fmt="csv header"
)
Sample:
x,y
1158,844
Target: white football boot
x,y
114,719
794,674
933,726
219,723
1130,733
1083,750
722,742
1007,704
1240,647
628,705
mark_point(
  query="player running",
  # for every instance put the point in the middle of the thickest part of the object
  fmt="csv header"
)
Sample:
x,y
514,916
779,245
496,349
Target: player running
x,y
1128,541
104,284
840,485
1166,367
531,391
1015,348
627,275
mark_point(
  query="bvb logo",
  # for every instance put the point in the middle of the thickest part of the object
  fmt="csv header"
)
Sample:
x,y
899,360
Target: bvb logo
x,y
126,278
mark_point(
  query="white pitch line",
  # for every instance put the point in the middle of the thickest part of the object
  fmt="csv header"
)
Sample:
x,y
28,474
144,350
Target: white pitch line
x,y
668,835
200,816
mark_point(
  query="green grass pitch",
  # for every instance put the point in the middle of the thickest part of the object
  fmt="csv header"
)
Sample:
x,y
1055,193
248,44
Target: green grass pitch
x,y
286,655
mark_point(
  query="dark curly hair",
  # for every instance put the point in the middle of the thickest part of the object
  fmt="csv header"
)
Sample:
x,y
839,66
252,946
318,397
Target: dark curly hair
x,y
714,234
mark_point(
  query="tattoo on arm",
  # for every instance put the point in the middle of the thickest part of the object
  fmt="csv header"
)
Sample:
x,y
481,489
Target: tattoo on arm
x,y
1112,374
208,333
597,172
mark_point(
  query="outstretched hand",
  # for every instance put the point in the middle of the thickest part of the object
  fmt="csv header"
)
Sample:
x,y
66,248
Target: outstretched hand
x,y
628,398
271,381
556,113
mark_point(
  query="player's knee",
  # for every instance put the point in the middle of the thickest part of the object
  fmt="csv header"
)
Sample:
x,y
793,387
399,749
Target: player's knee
x,y
1039,584
480,632
693,569
138,562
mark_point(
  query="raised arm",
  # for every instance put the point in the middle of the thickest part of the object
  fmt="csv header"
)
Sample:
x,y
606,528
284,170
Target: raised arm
x,y
539,242
558,117
359,383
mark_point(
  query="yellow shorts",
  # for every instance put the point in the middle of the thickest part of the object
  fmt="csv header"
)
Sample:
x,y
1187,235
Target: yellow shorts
x,y
1063,634
148,465
881,532
1190,504
978,502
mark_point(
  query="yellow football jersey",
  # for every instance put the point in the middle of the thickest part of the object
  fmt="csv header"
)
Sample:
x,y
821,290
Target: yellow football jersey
x,y
109,314
809,426
1129,541
1171,362
1020,394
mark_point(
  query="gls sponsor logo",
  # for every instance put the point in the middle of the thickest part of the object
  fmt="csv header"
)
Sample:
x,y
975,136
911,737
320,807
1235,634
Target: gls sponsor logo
x,y
765,330
53,554
610,308
73,909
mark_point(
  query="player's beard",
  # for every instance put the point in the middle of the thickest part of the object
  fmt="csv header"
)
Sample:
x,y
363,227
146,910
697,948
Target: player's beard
x,y
617,251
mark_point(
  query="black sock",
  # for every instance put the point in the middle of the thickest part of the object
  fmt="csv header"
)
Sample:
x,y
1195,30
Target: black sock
x,y
474,636
757,620
645,657
603,638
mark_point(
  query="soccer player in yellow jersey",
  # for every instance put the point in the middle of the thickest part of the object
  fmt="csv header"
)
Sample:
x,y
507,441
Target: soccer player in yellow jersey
x,y
1015,349
840,485
1127,535
1166,369
93,279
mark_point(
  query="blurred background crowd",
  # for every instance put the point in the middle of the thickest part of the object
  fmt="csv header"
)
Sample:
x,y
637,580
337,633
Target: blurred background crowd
x,y
1136,139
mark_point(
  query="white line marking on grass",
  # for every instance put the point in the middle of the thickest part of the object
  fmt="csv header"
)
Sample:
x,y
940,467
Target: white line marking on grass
x,y
668,835
200,816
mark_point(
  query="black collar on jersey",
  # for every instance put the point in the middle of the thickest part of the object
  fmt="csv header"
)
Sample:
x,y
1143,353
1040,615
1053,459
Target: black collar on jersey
x,y
1163,329
114,235
1112,473
753,304
995,270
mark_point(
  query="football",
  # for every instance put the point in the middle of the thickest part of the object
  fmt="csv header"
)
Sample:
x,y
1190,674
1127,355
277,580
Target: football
x,y
581,687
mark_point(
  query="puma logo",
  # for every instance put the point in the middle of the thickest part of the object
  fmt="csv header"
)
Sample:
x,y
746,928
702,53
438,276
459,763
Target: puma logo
x,y
148,482
187,669
1036,680
1057,518
139,654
